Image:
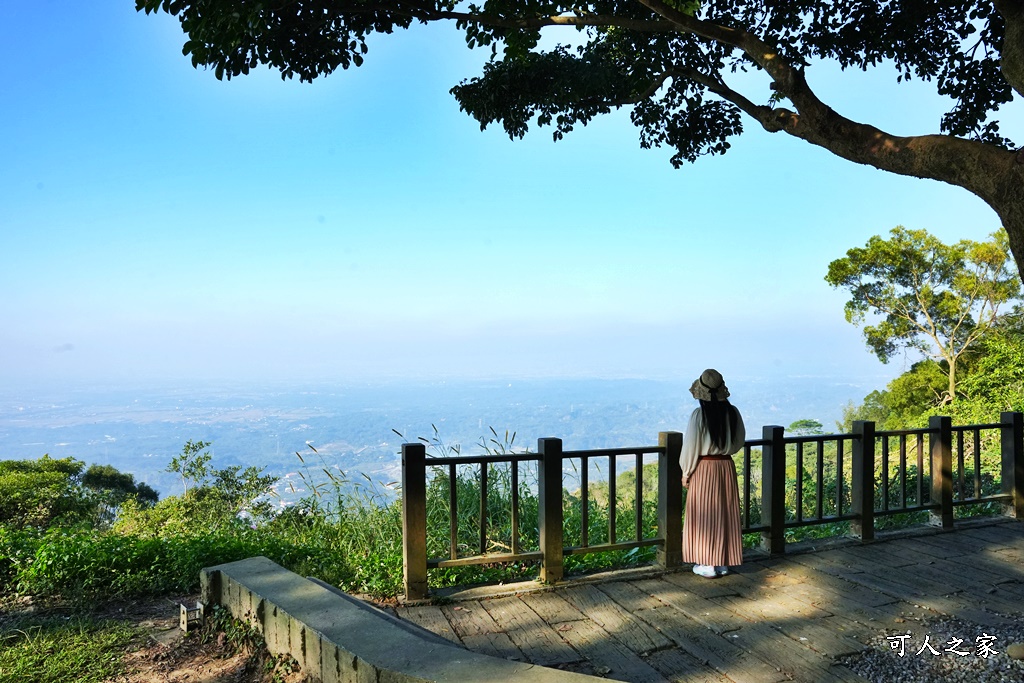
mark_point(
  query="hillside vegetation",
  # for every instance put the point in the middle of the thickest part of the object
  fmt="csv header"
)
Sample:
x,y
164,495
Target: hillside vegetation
x,y
80,534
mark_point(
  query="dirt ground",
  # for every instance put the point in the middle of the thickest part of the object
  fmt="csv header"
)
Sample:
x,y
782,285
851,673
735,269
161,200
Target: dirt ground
x,y
163,654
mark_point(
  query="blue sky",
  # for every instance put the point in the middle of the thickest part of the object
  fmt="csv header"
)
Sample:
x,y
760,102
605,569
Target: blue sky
x,y
156,223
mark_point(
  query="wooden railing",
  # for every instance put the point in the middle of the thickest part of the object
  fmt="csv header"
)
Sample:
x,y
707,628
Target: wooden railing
x,y
769,497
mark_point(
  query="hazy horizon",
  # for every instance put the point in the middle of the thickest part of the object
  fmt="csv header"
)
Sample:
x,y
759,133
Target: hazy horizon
x,y
139,429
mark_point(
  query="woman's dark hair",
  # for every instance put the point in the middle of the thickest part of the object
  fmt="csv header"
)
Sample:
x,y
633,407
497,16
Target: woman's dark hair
x,y
720,418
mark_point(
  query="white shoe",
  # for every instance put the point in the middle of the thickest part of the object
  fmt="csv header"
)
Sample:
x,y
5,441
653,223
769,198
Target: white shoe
x,y
722,571
707,571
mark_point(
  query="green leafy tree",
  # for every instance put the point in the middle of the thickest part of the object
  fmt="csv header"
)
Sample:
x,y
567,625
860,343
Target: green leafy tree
x,y
673,64
54,491
192,464
872,409
995,379
245,491
927,296
916,393
213,498
118,485
905,403
806,427
991,381
43,492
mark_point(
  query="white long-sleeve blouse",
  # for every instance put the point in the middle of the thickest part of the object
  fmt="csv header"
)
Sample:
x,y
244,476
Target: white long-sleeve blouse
x,y
697,442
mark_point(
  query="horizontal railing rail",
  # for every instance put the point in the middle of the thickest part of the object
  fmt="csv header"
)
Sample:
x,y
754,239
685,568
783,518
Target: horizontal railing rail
x,y
481,459
837,478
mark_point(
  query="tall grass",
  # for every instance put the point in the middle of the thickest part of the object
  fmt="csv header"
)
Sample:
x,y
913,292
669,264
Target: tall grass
x,y
90,651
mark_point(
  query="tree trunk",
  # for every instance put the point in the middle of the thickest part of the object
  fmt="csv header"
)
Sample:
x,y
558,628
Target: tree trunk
x,y
952,381
1011,61
1010,207
989,171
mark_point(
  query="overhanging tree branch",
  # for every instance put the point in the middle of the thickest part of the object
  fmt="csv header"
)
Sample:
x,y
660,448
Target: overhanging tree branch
x,y
539,22
772,119
820,125
637,38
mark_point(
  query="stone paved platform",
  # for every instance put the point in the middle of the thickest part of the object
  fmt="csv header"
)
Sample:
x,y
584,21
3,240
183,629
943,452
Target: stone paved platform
x,y
776,619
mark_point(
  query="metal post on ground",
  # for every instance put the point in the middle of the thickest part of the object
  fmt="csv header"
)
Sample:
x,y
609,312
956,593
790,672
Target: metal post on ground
x,y
941,448
670,500
414,520
863,484
549,492
1013,462
773,490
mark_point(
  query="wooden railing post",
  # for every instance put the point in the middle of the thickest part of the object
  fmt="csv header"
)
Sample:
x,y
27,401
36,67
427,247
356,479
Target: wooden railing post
x,y
773,490
1013,462
863,483
414,520
670,500
941,448
549,493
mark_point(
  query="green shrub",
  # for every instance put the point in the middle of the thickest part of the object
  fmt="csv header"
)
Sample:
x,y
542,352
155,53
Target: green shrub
x,y
17,549
229,499
47,492
119,486
43,492
77,563
200,511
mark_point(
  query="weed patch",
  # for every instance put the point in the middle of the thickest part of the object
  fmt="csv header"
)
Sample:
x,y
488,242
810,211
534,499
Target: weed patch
x,y
60,649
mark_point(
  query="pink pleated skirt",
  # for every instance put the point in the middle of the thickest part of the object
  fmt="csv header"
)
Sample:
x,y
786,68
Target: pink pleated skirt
x,y
711,522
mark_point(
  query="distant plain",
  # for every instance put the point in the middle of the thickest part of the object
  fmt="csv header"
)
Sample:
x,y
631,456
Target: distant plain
x,y
139,429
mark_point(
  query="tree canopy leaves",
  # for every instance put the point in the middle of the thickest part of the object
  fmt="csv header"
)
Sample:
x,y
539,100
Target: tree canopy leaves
x,y
631,51
925,295
673,64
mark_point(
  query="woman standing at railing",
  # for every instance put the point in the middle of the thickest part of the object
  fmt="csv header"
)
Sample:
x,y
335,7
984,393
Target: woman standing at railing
x,y
711,522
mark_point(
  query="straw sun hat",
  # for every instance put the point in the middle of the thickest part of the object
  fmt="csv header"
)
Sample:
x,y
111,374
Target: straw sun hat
x,y
709,386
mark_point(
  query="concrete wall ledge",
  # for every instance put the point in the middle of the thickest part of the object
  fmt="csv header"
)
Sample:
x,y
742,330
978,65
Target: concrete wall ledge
x,y
337,639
